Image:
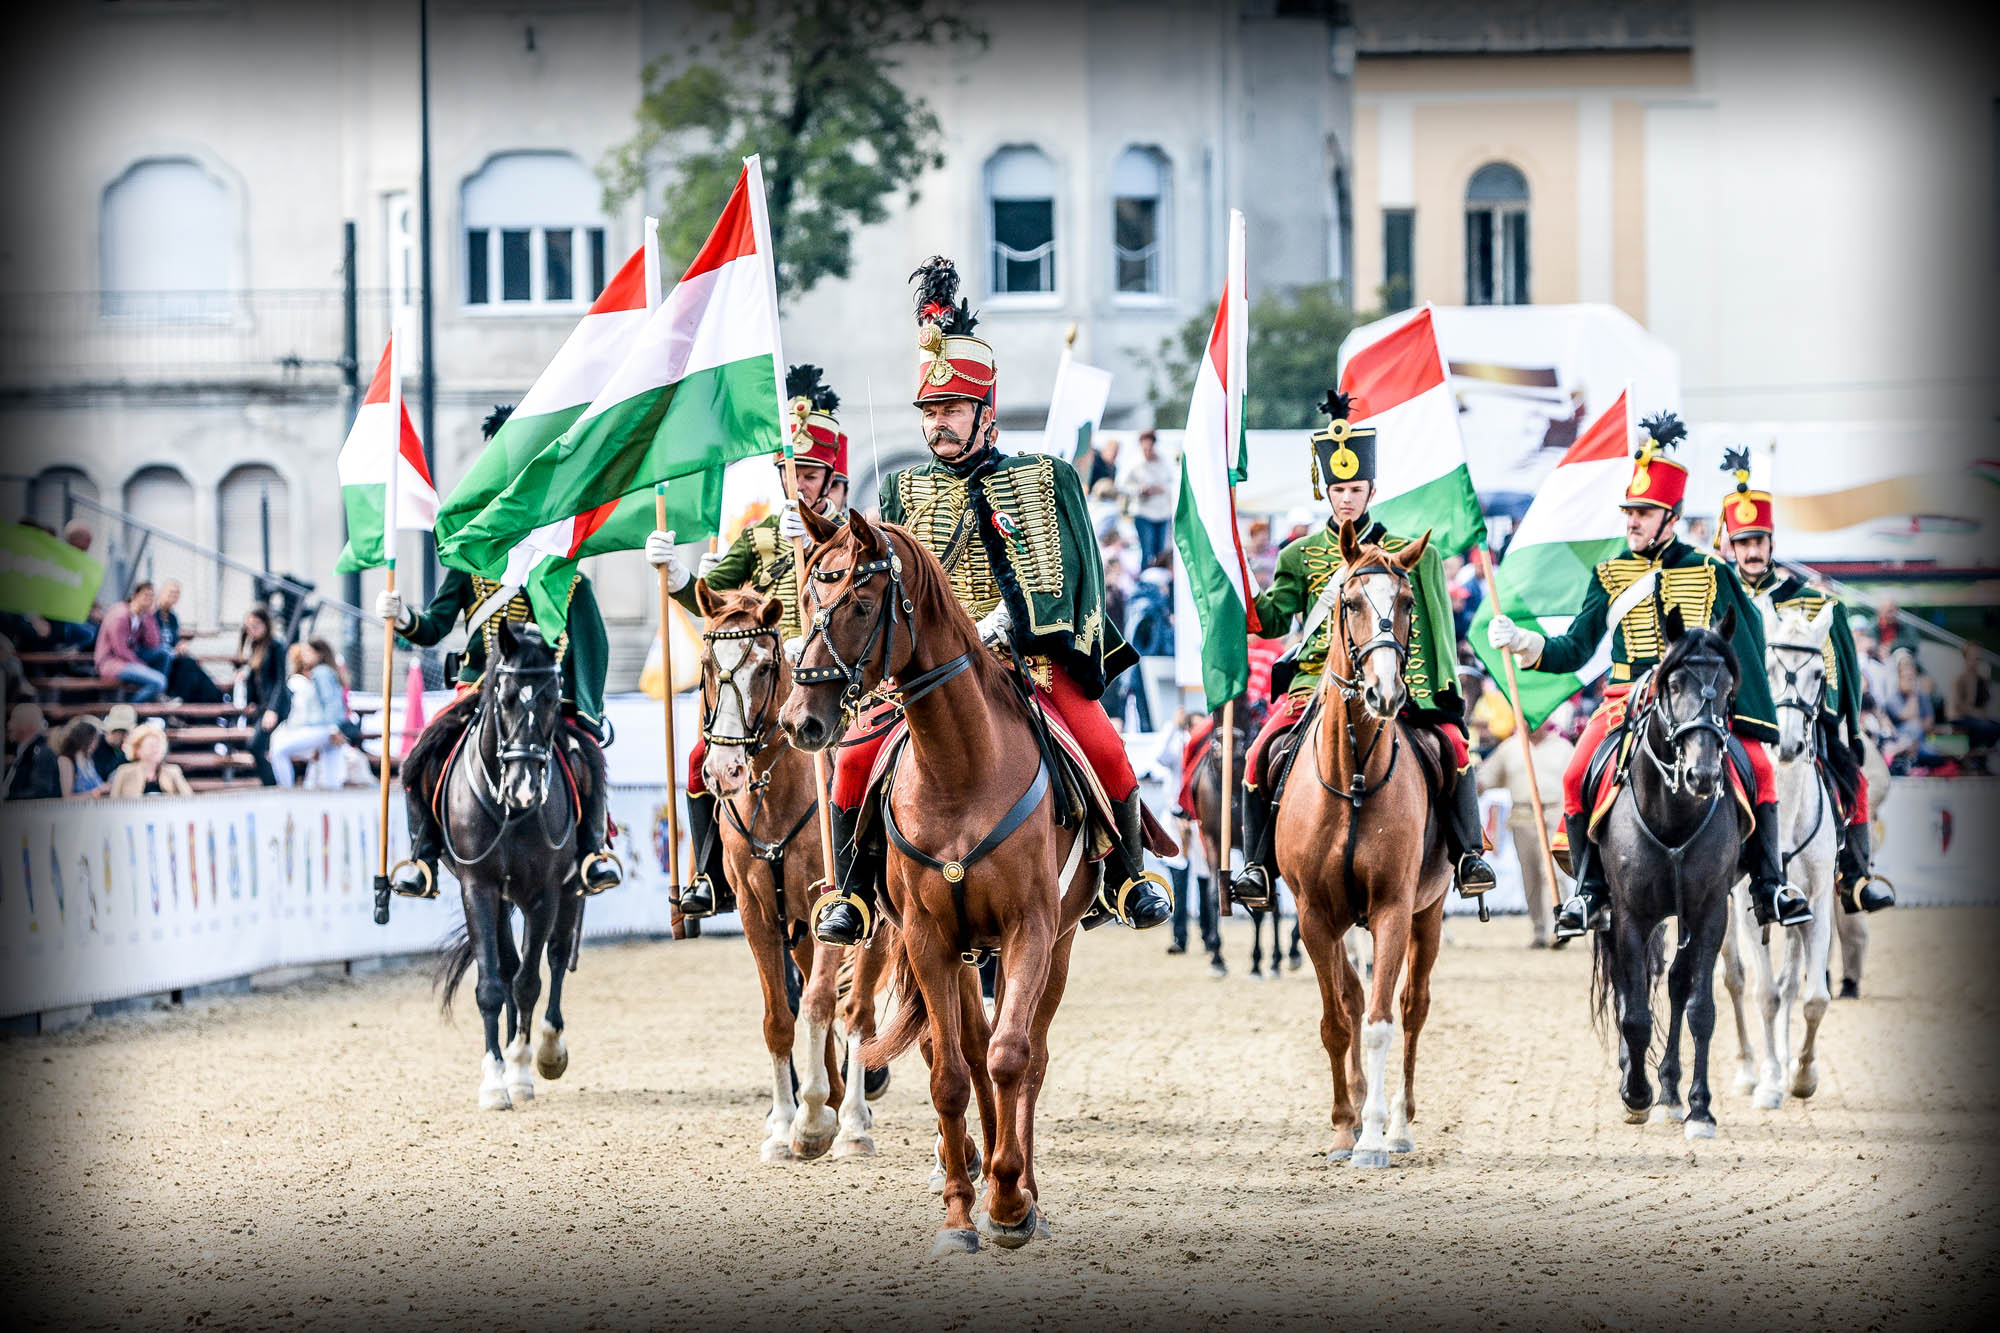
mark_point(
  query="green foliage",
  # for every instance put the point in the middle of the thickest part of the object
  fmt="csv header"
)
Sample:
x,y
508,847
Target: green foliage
x,y
1294,342
809,84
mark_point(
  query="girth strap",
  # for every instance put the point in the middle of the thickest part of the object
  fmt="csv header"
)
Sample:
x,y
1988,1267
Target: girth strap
x,y
954,871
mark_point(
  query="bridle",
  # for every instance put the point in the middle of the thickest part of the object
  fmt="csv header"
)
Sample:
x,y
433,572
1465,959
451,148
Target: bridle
x,y
1792,695
1707,718
1385,628
758,727
517,744
881,635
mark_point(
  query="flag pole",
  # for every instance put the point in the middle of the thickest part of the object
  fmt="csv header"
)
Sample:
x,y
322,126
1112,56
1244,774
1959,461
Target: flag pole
x,y
389,624
1228,802
1521,727
822,810
667,713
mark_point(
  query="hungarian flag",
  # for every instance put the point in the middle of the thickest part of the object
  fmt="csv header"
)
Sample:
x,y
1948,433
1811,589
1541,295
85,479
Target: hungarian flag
x,y
1422,480
1217,582
383,432
698,389
1573,523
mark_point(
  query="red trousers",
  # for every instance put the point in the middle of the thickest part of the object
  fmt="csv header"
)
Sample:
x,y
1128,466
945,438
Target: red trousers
x,y
1609,714
1288,710
697,780
1102,746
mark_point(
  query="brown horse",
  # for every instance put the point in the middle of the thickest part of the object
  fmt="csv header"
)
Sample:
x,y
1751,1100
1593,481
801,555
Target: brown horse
x,y
1358,841
881,609
771,850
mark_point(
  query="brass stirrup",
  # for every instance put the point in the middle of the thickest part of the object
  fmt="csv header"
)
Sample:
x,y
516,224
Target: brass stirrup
x,y
827,897
583,871
1116,906
430,889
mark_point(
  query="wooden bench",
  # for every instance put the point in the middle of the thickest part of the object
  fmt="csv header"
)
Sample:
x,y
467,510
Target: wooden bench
x,y
62,712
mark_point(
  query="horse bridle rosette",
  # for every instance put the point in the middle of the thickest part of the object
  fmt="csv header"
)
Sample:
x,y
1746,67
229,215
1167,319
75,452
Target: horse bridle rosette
x,y
758,729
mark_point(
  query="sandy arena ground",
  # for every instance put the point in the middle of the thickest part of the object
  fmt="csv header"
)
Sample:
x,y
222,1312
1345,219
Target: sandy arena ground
x,y
314,1157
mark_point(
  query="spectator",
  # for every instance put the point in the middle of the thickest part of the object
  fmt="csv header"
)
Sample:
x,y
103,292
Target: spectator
x,y
147,773
1149,628
260,686
34,775
1492,717
1260,553
13,676
128,646
1876,676
119,720
186,678
1970,707
1506,767
1908,708
1153,486
1102,465
77,533
1891,630
311,730
75,743
350,727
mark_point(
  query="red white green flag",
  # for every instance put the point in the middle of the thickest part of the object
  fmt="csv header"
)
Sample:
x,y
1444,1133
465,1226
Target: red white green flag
x,y
383,443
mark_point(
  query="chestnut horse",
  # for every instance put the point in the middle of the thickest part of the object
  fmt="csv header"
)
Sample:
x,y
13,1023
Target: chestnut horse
x,y
1360,844
880,609
771,849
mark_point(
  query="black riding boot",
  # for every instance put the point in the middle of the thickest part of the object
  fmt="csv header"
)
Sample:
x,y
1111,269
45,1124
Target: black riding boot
x,y
1859,890
708,893
1589,908
1142,899
417,877
849,913
600,868
1771,898
1468,839
1256,886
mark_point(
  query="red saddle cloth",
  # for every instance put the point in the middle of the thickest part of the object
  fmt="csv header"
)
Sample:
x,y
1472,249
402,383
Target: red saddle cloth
x,y
1599,796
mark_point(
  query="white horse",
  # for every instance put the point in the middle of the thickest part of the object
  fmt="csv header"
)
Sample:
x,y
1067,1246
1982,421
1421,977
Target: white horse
x,y
1808,824
1852,927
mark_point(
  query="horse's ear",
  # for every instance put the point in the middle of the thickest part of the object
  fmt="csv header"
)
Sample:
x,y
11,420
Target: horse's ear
x,y
1726,627
510,642
867,539
1673,625
769,612
705,599
1406,559
818,525
1350,548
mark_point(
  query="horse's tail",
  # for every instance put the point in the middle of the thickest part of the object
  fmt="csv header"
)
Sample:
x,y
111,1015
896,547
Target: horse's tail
x,y
1604,969
454,961
910,1021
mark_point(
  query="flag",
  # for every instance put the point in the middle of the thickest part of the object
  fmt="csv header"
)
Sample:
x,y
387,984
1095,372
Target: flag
x,y
698,388
364,467
1573,523
1213,571
1422,480
1076,409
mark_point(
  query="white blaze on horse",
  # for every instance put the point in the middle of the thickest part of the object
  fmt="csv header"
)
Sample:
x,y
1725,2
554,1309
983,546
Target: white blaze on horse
x,y
1808,833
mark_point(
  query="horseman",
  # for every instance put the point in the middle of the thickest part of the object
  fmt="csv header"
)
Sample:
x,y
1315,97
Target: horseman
x,y
759,559
1306,584
1014,536
1630,595
583,651
1748,536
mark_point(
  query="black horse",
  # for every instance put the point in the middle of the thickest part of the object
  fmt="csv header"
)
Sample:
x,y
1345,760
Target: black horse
x,y
509,808
1207,793
1671,844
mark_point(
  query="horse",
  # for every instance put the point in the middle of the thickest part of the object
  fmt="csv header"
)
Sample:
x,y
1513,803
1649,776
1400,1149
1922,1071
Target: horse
x,y
1671,843
508,805
1206,790
978,861
1808,826
764,788
1344,843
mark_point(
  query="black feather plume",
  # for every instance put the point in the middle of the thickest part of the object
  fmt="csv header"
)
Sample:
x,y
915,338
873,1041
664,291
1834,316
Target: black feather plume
x,y
805,382
938,301
496,419
1338,406
1666,429
1736,462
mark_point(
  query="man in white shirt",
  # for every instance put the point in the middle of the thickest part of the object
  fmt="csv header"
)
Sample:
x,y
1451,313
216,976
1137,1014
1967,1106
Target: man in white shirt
x,y
1153,484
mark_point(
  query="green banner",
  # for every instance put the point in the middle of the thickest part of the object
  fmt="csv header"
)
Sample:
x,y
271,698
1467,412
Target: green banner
x,y
44,576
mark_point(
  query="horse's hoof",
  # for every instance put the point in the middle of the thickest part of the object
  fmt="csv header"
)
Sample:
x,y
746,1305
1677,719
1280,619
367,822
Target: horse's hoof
x,y
853,1145
950,1242
874,1083
1637,1115
807,1149
1699,1129
1805,1083
1669,1113
1369,1157
777,1148
495,1099
1006,1237
1746,1082
1337,1155
551,1052
520,1092
1767,1099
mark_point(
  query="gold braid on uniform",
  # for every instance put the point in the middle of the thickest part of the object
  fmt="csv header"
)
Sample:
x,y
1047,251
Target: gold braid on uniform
x,y
517,611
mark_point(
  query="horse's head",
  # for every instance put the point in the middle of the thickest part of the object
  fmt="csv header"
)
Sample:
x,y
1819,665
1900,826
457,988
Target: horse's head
x,y
1795,661
523,695
744,679
854,599
1370,637
1694,690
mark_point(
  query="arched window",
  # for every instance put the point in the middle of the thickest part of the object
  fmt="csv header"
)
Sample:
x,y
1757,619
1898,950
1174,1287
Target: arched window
x,y
254,515
1496,236
161,498
167,232
1138,221
534,232
1021,213
49,492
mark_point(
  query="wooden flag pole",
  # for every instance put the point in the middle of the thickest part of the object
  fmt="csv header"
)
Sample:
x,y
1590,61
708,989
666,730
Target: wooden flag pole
x,y
825,812
667,706
1521,729
1228,804
390,492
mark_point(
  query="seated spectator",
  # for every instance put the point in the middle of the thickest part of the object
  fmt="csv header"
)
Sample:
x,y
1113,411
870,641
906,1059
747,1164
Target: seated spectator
x,y
13,676
311,729
75,742
350,726
33,775
1102,465
128,646
1260,553
260,686
187,679
1908,708
119,720
148,773
1970,706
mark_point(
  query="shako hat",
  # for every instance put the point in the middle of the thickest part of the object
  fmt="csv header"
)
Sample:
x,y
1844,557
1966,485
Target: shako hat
x,y
952,363
1658,482
1342,451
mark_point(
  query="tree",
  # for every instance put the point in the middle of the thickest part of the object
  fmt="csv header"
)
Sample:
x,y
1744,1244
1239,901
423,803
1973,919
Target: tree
x,y
1294,343
810,85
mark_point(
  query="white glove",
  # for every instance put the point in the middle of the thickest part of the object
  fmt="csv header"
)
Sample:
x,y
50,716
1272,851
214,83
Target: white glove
x,y
709,560
996,626
661,554
793,647
791,526
1502,633
389,606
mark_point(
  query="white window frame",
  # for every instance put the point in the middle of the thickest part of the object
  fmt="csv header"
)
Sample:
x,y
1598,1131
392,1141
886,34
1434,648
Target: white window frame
x,y
995,299
538,301
1162,293
1501,212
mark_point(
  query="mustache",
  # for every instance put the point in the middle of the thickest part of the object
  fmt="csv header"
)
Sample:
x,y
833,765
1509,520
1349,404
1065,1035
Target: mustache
x,y
944,433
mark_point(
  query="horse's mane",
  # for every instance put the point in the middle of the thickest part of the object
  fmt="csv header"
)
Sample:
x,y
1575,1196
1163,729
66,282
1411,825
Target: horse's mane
x,y
1699,641
736,602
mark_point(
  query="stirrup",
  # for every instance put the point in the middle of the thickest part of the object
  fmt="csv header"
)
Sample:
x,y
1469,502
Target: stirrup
x,y
707,886
1267,892
1851,900
1116,904
827,898
583,872
430,889
1475,885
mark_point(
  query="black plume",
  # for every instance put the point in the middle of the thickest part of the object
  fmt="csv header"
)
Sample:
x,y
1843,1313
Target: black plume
x,y
804,382
496,419
1338,406
1736,462
1666,429
937,290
